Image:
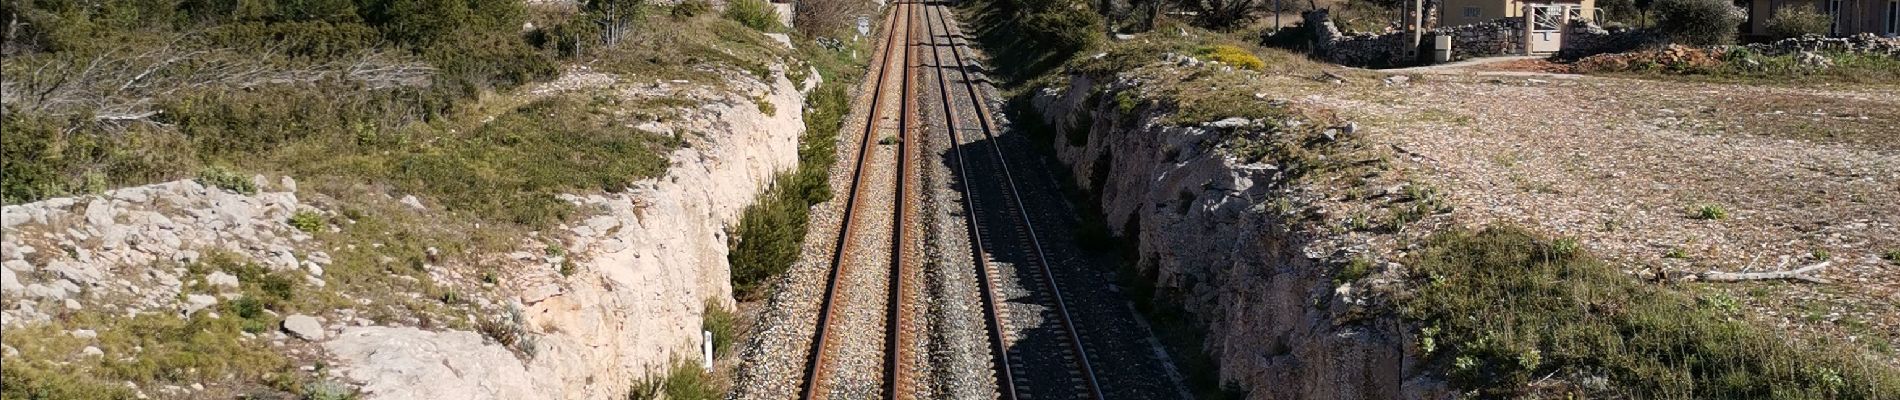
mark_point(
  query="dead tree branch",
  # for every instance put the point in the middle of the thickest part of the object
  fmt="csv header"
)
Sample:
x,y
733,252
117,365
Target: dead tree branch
x,y
1805,274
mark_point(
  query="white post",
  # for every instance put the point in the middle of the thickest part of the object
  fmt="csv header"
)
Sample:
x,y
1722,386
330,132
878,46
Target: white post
x,y
707,348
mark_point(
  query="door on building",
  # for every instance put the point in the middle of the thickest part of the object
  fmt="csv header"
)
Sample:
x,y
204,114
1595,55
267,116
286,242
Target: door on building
x,y
1546,27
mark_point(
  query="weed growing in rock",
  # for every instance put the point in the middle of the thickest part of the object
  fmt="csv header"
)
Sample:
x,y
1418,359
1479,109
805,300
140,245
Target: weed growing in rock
x,y
225,178
1892,256
1708,212
307,221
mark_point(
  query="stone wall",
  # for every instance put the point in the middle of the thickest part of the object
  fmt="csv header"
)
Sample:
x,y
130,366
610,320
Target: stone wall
x,y
1502,36
1865,43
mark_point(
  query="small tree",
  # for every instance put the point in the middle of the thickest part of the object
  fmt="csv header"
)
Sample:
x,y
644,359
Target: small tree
x,y
1698,22
1795,21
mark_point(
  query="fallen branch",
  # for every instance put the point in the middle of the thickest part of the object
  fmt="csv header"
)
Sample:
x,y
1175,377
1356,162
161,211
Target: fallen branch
x,y
1801,274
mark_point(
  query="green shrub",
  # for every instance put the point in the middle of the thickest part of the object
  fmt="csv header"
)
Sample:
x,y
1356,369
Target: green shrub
x,y
1513,308
224,178
755,14
1028,38
1892,256
1698,22
721,322
1796,21
691,9
307,221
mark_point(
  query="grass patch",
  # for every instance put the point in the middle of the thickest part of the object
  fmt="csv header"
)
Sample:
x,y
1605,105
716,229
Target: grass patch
x,y
1506,308
684,381
149,349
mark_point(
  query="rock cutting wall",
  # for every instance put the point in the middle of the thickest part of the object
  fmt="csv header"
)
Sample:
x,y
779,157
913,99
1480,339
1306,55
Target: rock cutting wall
x,y
1272,316
644,266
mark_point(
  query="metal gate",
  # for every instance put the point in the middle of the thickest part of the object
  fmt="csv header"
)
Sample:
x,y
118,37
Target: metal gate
x,y
1544,27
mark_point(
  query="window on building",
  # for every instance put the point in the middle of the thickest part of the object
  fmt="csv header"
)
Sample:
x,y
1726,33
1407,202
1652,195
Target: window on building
x,y
1893,17
1473,12
1834,17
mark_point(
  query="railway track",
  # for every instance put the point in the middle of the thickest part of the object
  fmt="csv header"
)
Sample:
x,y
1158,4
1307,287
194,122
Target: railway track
x,y
1019,291
1018,236
859,208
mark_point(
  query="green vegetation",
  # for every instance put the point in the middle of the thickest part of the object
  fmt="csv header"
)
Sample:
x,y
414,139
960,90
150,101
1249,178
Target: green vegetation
x,y
723,325
222,178
755,14
772,229
684,381
1742,65
1698,22
1503,308
159,348
1708,212
306,220
1792,21
1027,38
1232,55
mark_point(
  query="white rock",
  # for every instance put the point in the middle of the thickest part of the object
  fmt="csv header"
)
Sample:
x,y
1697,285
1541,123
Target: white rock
x,y
781,39
196,302
8,351
91,351
85,334
84,273
73,305
287,183
221,279
49,292
99,212
9,283
1230,122
304,327
133,195
17,266
410,363
412,202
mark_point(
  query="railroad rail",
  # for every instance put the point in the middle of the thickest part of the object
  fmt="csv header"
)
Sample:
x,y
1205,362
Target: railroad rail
x,y
818,371
899,42
1029,242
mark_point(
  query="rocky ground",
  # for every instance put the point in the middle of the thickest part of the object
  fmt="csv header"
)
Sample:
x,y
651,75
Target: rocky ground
x,y
1670,179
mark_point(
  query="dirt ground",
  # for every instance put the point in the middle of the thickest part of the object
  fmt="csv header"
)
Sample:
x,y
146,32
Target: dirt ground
x,y
1803,175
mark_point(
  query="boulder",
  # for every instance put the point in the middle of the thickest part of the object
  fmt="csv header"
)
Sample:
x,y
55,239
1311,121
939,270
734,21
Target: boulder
x,y
304,327
196,302
222,280
9,283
